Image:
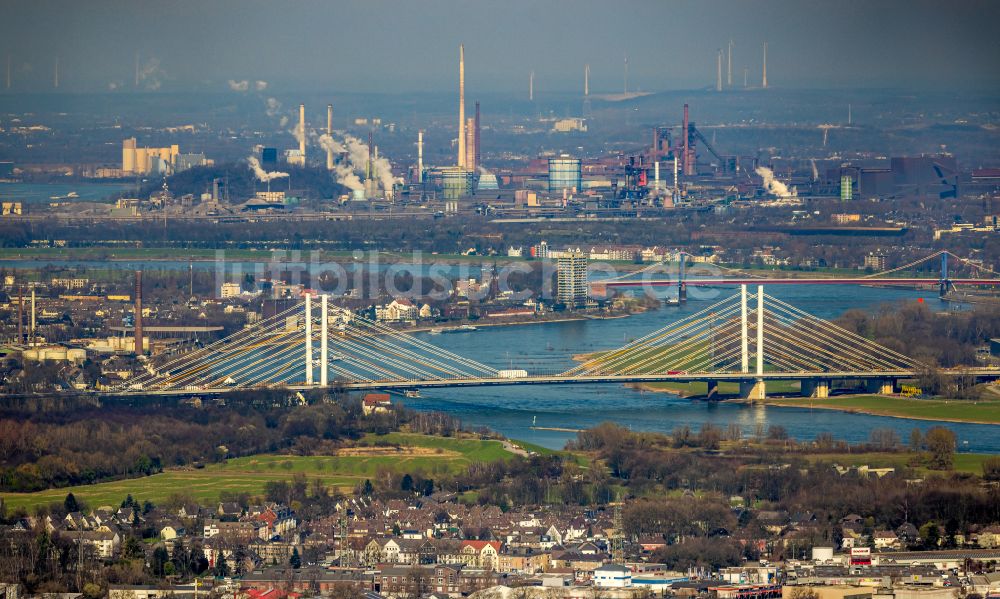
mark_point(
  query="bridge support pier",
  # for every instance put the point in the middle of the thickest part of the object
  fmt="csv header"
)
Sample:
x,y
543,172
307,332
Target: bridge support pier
x,y
753,390
880,386
711,390
682,292
818,388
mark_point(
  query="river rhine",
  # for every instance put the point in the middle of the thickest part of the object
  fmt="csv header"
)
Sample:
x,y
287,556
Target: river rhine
x,y
550,347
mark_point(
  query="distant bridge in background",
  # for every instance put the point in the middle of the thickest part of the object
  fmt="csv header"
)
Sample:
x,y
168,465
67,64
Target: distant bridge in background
x,y
944,282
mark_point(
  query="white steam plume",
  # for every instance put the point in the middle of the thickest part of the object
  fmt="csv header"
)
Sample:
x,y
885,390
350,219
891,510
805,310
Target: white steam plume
x,y
774,186
151,75
239,86
357,154
261,174
298,134
357,162
329,144
344,174
260,85
273,107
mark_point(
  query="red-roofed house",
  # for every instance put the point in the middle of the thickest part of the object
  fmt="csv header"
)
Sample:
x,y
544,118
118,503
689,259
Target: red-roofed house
x,y
481,554
376,402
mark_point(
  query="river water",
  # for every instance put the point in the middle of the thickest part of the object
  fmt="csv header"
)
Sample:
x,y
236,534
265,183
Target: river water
x,y
550,347
37,193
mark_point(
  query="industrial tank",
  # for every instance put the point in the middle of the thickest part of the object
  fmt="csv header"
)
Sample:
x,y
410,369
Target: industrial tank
x,y
564,173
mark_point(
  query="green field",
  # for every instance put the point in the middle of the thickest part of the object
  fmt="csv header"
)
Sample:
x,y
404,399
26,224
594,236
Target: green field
x,y
953,410
201,254
418,453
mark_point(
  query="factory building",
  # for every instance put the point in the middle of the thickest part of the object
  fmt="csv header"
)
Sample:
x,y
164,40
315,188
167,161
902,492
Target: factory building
x,y
145,161
185,161
456,182
565,174
906,176
157,161
269,158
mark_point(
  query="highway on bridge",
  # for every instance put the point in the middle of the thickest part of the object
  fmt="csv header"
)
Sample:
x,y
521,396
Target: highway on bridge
x,y
682,377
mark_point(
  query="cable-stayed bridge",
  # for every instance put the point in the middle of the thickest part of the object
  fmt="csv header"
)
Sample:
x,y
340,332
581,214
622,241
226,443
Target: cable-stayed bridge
x,y
750,338
902,275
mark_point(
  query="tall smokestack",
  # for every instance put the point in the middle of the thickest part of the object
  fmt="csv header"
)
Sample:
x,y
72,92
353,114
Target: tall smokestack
x,y
138,313
55,77
137,70
531,86
370,169
676,186
763,82
420,155
718,71
32,316
461,106
586,80
8,71
685,136
729,66
302,132
329,131
626,74
470,144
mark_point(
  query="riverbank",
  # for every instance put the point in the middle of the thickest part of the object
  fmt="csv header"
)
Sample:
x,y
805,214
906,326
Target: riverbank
x,y
938,410
479,324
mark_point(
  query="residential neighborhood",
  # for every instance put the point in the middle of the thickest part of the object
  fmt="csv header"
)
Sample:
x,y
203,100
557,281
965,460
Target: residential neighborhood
x,y
437,546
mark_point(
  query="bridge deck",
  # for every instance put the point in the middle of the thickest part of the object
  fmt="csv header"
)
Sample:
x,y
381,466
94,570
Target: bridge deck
x,y
982,373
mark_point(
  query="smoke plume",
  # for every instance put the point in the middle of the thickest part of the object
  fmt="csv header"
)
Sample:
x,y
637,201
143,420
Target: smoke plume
x,y
239,86
261,174
273,107
344,174
773,186
357,154
151,75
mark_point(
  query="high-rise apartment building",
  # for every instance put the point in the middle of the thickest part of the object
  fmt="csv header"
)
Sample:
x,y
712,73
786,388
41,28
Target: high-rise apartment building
x,y
571,279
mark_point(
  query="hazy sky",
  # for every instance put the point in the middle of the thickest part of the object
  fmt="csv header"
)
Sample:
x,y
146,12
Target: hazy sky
x,y
410,45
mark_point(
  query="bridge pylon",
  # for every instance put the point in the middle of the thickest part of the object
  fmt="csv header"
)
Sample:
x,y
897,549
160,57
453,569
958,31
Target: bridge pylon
x,y
280,352
750,338
944,286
